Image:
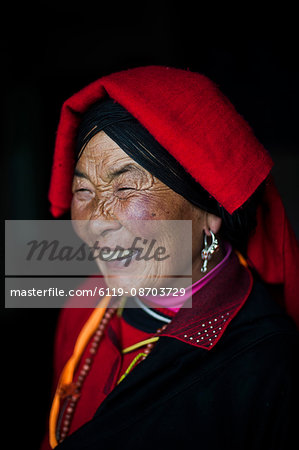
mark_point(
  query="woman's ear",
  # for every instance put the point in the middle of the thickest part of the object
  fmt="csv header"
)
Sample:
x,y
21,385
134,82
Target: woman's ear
x,y
212,223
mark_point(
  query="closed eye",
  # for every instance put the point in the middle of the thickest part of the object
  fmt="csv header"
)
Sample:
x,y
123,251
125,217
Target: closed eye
x,y
83,194
125,188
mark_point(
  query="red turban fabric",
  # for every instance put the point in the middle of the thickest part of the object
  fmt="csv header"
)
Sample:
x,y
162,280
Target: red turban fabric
x,y
189,116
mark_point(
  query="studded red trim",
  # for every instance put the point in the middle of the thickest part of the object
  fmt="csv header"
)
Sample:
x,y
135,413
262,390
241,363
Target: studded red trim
x,y
213,307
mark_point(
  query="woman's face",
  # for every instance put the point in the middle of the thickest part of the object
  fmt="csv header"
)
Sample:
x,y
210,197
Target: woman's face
x,y
118,200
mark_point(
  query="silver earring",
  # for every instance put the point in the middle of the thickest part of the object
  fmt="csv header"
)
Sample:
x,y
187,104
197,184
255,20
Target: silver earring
x,y
208,251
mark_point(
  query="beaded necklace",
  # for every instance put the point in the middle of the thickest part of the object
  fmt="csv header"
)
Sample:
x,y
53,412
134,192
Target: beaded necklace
x,y
70,392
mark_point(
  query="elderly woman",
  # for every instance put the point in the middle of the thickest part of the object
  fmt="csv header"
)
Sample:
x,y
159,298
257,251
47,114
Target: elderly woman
x,y
162,144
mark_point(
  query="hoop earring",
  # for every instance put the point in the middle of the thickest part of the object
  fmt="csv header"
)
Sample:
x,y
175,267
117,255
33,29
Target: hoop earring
x,y
208,251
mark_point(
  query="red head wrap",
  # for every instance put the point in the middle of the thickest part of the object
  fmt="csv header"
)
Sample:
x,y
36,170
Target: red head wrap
x,y
188,115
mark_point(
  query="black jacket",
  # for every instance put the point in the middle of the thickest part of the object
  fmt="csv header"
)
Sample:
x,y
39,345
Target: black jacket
x,y
241,394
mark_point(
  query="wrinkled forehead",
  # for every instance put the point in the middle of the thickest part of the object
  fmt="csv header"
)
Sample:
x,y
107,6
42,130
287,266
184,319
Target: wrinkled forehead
x,y
102,151
103,158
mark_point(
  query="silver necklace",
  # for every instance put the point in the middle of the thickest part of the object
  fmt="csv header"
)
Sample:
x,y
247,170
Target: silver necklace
x,y
151,312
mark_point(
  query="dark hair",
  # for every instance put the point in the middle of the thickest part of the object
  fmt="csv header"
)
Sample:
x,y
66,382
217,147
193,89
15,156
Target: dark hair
x,y
241,224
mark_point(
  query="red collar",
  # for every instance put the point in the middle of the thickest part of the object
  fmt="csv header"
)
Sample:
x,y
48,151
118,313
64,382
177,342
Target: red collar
x,y
213,307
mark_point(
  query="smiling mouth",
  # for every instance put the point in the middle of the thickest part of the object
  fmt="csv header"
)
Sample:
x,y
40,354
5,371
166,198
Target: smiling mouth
x,y
118,255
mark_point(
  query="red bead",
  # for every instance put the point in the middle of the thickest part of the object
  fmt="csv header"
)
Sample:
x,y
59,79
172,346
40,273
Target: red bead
x,y
83,372
75,397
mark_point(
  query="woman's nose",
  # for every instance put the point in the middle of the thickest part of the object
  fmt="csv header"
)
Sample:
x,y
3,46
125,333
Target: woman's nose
x,y
102,224
100,227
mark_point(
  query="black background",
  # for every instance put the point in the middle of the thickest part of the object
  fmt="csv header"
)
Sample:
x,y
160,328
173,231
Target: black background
x,y
49,52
